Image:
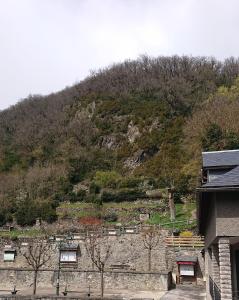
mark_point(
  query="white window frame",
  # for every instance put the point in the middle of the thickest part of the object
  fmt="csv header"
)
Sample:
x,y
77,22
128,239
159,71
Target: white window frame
x,y
67,256
9,256
187,270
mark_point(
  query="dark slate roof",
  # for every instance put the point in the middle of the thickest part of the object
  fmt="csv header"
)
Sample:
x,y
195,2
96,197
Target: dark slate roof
x,y
187,258
10,250
229,179
69,246
220,158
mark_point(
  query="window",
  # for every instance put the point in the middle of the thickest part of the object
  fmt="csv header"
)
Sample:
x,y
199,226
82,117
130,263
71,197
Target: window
x,y
187,270
9,255
68,256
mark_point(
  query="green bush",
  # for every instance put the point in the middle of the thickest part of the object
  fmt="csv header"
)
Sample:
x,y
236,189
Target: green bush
x,y
130,182
107,179
94,188
5,216
123,195
81,195
46,211
10,158
94,199
78,169
72,197
28,211
111,217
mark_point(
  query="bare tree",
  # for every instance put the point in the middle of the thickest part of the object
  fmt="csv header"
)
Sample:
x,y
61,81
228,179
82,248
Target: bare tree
x,y
170,170
37,254
151,239
99,251
171,203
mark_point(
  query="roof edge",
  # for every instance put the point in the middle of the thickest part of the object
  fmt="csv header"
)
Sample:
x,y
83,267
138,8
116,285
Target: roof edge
x,y
219,189
234,150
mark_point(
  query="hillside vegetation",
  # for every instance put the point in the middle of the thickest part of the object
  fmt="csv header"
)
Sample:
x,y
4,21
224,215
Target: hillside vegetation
x,y
125,130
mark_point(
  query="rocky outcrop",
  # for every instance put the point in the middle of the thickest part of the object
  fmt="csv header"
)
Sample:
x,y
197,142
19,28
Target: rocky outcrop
x,y
133,132
80,187
136,160
109,142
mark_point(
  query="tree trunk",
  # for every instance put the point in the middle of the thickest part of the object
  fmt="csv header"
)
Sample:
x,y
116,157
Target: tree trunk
x,y
93,255
102,284
171,204
35,282
149,259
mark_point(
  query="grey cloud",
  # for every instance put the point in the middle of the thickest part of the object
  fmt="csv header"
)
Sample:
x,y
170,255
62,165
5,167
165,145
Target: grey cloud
x,y
47,45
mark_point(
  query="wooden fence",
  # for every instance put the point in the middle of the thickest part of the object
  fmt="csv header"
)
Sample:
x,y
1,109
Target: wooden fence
x,y
179,241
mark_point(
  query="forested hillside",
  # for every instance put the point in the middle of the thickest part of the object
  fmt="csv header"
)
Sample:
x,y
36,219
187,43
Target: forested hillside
x,y
131,127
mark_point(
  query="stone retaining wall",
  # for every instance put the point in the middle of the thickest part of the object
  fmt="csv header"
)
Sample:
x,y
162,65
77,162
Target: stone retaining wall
x,y
127,249
127,266
80,280
49,297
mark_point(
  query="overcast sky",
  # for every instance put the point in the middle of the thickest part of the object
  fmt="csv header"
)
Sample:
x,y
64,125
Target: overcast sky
x,y
46,45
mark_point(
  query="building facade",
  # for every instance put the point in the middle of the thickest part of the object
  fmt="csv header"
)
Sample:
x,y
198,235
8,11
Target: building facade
x,y
218,220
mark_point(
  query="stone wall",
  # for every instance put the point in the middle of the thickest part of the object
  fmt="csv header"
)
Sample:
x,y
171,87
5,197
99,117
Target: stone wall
x,y
127,266
80,280
127,249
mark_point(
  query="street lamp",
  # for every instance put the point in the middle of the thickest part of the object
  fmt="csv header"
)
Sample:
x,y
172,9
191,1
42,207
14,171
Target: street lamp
x,y
58,271
88,291
59,263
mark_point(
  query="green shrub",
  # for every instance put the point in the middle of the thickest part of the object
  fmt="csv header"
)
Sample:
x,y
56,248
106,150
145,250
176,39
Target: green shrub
x,y
28,211
123,195
81,195
94,188
111,217
94,199
72,197
5,216
46,211
186,234
107,179
130,182
10,158
78,169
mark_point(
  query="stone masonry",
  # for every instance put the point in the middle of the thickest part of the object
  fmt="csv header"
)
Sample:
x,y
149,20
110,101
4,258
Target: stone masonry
x,y
225,268
127,251
81,280
127,266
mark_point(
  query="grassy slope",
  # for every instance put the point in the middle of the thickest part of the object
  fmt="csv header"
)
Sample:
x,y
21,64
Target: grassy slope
x,y
128,212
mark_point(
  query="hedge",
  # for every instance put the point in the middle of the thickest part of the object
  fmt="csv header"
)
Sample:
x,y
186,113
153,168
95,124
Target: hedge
x,y
125,195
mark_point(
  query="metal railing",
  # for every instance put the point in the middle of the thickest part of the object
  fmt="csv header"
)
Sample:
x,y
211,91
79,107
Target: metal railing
x,y
235,295
120,230
215,292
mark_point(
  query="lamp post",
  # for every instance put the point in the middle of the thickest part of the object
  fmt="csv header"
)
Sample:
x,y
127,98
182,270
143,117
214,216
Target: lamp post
x,y
58,271
88,291
59,263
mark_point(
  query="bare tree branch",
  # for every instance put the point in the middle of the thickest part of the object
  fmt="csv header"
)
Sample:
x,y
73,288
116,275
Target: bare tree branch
x,y
151,238
98,249
37,254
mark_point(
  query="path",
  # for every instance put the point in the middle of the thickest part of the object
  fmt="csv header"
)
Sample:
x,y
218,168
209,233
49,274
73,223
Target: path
x,y
186,293
109,294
